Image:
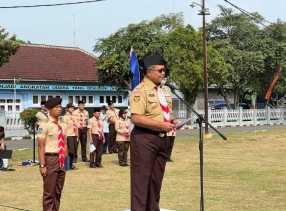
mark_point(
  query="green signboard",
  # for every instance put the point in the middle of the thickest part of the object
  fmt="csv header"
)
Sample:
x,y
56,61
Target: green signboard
x,y
54,87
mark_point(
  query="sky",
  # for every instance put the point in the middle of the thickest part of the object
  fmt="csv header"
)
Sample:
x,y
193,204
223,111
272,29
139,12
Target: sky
x,y
82,25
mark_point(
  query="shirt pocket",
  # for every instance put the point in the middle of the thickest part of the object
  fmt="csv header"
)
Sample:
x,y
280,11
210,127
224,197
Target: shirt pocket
x,y
153,105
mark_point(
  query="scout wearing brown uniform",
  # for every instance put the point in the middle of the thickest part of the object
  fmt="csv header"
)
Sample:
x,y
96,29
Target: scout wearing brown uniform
x,y
42,115
71,132
96,137
112,116
52,150
122,127
148,138
82,118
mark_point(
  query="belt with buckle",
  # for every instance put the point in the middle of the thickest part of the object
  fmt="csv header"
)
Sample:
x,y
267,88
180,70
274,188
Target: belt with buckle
x,y
146,130
51,154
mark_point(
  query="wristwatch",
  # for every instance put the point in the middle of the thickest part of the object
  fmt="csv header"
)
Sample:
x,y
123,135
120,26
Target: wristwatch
x,y
42,165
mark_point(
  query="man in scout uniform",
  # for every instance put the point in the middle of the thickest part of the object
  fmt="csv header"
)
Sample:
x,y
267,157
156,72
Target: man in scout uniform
x,y
150,105
52,149
82,118
42,115
96,137
122,127
71,132
112,117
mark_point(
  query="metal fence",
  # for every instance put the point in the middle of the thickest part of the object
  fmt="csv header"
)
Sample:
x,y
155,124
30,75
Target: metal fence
x,y
11,121
238,117
218,118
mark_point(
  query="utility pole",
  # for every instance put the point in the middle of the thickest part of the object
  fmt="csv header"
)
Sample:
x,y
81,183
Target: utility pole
x,y
204,11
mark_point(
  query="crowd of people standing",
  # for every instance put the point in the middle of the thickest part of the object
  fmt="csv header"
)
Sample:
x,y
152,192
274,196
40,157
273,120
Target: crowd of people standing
x,y
107,131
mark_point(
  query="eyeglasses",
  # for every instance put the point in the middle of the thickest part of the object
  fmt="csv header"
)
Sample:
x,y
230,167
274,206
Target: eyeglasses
x,y
161,70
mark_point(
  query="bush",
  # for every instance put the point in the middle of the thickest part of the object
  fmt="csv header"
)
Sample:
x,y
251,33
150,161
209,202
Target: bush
x,y
28,116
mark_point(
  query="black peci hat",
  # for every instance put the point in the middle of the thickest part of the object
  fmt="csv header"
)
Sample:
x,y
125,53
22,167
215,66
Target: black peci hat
x,y
109,102
43,103
152,59
53,102
81,102
96,110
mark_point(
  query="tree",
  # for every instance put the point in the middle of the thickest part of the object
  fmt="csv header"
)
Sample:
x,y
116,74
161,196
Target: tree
x,y
236,37
184,54
113,63
180,45
8,46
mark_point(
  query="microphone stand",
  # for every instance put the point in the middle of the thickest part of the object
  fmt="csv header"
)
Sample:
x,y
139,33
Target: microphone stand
x,y
200,120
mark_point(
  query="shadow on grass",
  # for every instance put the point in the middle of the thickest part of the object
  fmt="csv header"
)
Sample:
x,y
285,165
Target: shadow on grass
x,y
15,208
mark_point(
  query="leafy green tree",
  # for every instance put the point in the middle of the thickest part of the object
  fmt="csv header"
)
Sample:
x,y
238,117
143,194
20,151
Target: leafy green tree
x,y
180,45
113,63
237,37
8,46
275,53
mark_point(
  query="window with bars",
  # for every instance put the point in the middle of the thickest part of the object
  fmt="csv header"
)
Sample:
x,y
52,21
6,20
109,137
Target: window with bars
x,y
120,99
101,99
90,99
70,99
35,99
43,98
114,99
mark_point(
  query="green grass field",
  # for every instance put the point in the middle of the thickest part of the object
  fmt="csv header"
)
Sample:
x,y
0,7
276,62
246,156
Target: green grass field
x,y
247,172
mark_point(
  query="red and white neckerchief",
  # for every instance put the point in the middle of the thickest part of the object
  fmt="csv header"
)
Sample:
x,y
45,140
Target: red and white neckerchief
x,y
99,129
165,109
74,124
61,145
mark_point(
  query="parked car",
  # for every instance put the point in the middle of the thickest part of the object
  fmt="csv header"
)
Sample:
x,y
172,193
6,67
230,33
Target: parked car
x,y
223,105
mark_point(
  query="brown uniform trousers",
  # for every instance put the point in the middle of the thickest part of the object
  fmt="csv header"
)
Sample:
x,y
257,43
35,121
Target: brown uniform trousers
x,y
149,154
53,184
96,155
82,136
123,147
72,146
113,146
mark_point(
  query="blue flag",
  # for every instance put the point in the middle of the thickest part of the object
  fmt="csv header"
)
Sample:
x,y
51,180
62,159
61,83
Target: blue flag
x,y
134,67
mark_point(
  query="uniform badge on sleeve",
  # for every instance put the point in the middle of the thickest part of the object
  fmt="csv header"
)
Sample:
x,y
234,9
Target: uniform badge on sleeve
x,y
136,99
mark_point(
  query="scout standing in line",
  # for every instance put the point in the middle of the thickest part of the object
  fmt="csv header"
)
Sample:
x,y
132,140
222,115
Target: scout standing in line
x,y
96,137
71,133
112,117
150,109
52,149
82,119
122,127
42,115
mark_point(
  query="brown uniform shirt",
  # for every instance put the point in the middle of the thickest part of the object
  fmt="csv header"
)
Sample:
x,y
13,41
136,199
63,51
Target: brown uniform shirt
x,y
144,100
95,125
112,115
42,118
49,132
71,127
81,115
122,127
